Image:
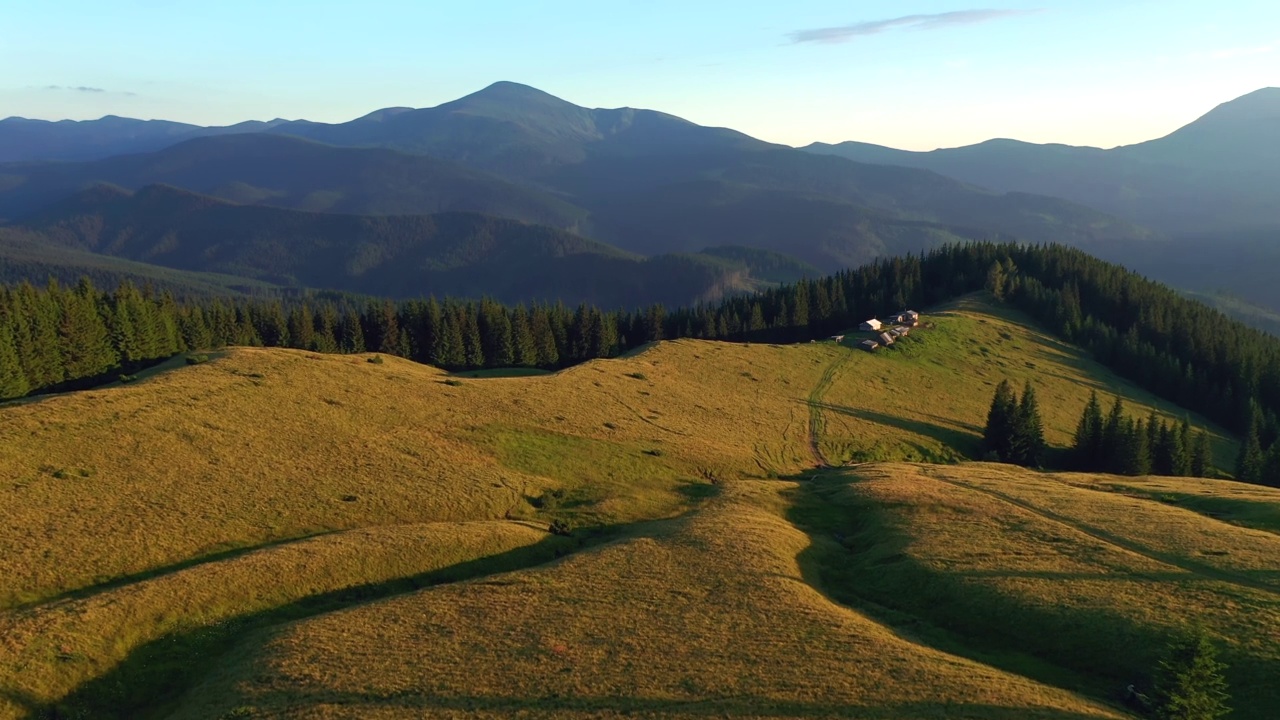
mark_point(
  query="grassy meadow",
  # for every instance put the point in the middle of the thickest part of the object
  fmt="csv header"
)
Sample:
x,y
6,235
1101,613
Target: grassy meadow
x,y
277,533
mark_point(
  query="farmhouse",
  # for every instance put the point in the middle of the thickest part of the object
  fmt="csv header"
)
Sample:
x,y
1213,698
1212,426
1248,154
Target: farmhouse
x,y
869,345
885,339
901,331
836,338
871,325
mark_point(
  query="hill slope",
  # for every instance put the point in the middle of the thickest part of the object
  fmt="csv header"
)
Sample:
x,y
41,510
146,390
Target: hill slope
x,y
293,173
446,254
350,479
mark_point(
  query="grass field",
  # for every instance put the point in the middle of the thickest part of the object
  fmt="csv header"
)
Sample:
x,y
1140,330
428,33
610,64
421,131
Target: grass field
x,y
282,534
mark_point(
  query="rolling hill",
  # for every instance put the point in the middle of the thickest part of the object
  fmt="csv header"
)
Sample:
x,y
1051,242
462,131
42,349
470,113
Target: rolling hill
x,y
402,256
709,570
641,180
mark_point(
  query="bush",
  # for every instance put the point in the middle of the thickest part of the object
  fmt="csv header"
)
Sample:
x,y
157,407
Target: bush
x,y
638,376
197,359
126,379
452,382
560,527
376,360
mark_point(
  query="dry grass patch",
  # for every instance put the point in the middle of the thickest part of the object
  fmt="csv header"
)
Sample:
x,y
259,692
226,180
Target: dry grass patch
x,y
707,616
168,626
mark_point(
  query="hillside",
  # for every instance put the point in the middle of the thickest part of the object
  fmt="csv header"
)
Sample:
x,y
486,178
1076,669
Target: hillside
x,y
642,180
293,173
403,256
408,510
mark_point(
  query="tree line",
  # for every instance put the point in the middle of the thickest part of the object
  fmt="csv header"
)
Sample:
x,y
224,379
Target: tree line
x,y
1176,348
1121,445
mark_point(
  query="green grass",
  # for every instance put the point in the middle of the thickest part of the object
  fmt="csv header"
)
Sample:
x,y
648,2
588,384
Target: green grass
x,y
275,529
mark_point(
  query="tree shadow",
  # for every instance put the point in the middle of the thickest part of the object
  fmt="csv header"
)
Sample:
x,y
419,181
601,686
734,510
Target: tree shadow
x,y
966,444
858,556
719,707
154,675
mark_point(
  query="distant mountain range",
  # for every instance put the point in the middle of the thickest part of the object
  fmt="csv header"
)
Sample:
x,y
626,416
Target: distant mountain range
x,y
647,182
638,183
458,254
1220,173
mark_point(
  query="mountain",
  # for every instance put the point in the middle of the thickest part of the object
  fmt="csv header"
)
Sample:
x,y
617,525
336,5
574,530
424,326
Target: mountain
x,y
1219,173
22,139
458,254
290,172
642,180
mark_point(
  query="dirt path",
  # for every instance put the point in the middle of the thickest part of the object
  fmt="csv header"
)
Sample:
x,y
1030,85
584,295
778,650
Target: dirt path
x,y
1205,571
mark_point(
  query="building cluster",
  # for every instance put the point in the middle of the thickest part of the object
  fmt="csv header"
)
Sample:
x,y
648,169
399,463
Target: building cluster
x,y
886,332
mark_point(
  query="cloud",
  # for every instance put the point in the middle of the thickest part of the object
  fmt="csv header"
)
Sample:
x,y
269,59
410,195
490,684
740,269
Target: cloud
x,y
84,89
935,21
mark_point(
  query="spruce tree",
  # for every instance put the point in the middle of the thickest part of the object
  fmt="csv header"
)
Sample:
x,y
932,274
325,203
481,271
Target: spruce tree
x,y
1088,441
1001,418
1270,474
1134,457
1201,455
13,383
1026,442
526,350
1189,684
1113,430
1249,461
1182,456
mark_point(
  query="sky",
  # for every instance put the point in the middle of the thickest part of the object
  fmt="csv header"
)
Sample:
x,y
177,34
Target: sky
x,y
904,73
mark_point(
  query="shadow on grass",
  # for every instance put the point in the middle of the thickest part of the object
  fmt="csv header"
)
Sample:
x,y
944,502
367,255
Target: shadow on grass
x,y
858,556
155,572
966,444
155,675
423,704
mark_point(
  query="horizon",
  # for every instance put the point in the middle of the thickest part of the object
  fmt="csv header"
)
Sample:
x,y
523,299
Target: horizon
x,y
915,77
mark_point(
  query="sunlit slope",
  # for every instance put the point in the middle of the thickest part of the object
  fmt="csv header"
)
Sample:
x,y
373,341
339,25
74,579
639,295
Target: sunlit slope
x,y
149,527
927,397
1047,575
264,445
707,616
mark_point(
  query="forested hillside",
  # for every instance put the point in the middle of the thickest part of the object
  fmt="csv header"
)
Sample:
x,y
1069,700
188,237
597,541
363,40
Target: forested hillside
x,y
451,254
1175,347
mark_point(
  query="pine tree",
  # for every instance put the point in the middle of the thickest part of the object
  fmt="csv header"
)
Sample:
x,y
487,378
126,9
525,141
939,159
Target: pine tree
x,y
1026,442
544,339
1189,684
1201,455
1249,461
1110,449
1088,441
1183,450
1270,474
13,383
1134,457
526,350
1001,418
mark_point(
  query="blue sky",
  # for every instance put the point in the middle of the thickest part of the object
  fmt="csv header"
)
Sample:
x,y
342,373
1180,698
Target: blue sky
x,y
906,73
